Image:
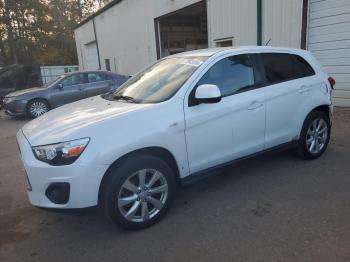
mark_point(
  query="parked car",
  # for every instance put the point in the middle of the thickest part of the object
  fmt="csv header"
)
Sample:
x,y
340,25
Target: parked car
x,y
34,102
177,121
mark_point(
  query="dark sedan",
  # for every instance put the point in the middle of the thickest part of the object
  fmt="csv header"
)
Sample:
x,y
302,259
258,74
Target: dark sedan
x,y
68,88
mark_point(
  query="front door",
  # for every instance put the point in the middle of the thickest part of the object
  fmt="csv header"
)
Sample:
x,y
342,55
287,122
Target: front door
x,y
235,126
71,89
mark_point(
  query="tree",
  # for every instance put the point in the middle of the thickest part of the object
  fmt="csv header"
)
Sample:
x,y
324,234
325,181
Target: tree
x,y
41,31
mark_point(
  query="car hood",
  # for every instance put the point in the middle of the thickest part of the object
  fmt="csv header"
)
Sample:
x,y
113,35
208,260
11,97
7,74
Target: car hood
x,y
70,121
25,91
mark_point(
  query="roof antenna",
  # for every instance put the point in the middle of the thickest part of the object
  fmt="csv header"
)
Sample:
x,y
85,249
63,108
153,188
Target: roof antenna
x,y
268,42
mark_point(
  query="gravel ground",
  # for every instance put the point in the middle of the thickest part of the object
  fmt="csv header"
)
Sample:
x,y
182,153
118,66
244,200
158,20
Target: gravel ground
x,y
275,207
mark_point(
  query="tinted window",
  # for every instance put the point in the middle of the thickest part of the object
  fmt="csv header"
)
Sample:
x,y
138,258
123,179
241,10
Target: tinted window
x,y
304,67
284,67
73,80
231,75
95,77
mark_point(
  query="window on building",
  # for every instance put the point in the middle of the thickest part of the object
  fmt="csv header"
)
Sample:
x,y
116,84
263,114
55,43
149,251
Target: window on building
x,y
224,43
108,64
231,75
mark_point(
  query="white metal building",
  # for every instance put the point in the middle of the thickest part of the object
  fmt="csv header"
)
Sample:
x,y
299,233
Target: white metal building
x,y
126,35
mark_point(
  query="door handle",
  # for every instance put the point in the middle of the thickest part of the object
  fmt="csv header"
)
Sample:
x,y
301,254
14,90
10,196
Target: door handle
x,y
255,105
303,89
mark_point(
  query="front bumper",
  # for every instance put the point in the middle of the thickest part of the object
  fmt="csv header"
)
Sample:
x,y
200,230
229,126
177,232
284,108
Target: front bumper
x,y
83,179
15,108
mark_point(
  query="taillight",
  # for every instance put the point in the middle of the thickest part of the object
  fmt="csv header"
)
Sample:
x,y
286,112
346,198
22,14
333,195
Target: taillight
x,y
331,80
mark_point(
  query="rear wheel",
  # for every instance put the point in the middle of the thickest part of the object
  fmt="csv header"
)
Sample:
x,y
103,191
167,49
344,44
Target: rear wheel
x,y
139,191
37,107
315,135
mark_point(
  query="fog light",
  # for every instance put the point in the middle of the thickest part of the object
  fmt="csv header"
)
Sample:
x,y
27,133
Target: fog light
x,y
58,193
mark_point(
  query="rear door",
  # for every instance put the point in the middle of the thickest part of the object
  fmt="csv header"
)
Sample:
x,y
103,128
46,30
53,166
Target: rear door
x,y
288,88
72,90
97,83
235,126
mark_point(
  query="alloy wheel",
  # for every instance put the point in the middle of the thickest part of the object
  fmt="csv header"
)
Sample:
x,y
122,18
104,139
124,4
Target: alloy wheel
x,y
143,195
38,108
317,135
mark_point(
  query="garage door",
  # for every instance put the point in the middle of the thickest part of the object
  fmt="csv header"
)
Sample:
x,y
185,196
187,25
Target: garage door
x,y
92,56
329,40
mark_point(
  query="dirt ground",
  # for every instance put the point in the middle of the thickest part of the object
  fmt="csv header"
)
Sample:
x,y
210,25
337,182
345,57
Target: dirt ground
x,y
275,207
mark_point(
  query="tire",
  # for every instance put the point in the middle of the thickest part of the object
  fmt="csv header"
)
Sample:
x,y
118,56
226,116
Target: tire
x,y
127,205
315,135
37,107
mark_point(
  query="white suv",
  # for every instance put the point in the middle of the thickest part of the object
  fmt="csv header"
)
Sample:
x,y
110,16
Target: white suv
x,y
175,122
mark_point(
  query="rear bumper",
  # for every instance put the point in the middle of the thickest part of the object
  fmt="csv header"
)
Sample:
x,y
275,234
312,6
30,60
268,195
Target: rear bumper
x,y
330,112
83,179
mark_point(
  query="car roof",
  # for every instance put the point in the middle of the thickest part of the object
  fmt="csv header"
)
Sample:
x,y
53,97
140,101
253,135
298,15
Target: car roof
x,y
213,51
87,71
94,71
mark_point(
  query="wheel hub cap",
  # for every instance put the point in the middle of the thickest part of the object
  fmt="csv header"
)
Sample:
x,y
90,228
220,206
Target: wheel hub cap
x,y
317,135
143,195
38,108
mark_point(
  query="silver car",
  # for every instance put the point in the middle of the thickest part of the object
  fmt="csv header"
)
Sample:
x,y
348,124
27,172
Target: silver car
x,y
34,102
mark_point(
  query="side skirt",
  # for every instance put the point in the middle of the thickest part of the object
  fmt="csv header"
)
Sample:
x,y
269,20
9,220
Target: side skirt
x,y
216,170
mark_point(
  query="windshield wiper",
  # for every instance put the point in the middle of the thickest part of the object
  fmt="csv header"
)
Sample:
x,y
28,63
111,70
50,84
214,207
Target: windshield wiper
x,y
126,98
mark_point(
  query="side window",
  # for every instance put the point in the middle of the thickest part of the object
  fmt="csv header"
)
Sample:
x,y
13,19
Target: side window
x,y
73,80
95,77
279,67
304,67
231,75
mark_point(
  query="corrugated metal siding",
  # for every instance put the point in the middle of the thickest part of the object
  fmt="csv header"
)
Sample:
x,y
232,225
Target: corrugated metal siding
x,y
329,41
232,18
282,22
126,33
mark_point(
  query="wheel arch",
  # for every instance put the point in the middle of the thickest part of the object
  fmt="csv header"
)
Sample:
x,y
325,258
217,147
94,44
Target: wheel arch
x,y
159,152
325,108
38,98
322,108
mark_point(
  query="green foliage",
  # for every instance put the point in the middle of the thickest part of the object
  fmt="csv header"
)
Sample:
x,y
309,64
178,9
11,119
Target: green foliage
x,y
41,31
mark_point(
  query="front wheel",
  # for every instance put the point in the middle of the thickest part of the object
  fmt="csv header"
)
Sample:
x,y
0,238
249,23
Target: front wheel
x,y
315,135
139,191
37,107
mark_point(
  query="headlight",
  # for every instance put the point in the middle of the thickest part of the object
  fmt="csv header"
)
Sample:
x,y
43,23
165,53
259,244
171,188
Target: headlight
x,y
60,154
7,100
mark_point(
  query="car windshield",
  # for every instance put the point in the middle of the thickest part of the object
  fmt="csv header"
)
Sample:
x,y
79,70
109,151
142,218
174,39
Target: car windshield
x,y
160,81
51,82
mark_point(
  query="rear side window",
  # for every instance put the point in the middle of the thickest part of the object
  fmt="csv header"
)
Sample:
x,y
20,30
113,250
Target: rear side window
x,y
281,67
233,74
303,66
95,77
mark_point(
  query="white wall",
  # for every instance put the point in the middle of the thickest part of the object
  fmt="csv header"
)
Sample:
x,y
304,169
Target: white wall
x,y
235,19
83,35
126,32
282,21
328,40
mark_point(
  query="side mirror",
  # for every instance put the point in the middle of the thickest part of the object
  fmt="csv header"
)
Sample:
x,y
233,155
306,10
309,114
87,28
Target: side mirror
x,y
208,94
60,86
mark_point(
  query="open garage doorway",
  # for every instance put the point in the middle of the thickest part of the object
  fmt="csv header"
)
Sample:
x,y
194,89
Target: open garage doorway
x,y
183,30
